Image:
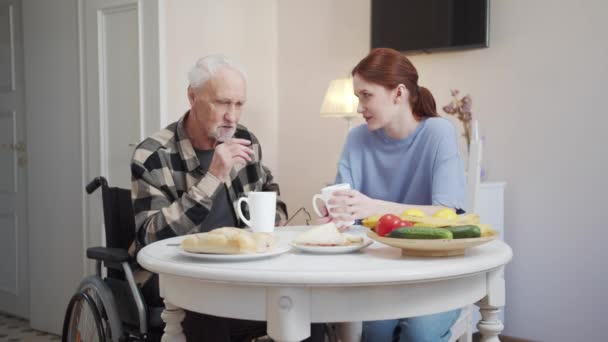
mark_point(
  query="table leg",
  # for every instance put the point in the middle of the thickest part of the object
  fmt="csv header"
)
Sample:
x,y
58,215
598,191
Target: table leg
x,y
490,326
288,314
173,317
349,331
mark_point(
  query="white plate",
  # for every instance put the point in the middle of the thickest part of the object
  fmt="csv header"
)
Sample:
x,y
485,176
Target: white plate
x,y
332,249
233,257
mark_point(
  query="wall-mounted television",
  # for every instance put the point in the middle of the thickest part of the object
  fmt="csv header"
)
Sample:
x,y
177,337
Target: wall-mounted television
x,y
427,25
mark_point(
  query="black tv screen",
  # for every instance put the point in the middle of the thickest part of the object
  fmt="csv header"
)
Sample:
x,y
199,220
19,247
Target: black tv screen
x,y
424,25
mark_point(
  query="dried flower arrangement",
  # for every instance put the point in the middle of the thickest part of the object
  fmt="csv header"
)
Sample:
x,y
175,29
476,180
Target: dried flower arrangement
x,y
461,108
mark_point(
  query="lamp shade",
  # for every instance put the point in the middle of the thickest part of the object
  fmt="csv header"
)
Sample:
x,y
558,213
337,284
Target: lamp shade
x,y
340,100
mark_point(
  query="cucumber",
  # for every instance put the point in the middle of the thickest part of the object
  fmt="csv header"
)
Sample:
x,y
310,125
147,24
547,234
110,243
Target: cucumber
x,y
427,233
465,232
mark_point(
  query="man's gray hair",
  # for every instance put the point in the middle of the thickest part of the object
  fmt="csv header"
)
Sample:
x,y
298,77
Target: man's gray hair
x,y
206,67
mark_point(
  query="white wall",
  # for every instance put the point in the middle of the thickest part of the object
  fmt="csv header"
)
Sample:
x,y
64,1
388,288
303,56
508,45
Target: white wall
x,y
245,31
539,93
318,42
54,158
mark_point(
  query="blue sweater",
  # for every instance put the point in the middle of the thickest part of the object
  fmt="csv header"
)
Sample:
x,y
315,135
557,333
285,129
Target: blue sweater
x,y
424,168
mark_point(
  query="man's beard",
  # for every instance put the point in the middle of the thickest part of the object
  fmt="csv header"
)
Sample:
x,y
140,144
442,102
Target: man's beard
x,y
222,134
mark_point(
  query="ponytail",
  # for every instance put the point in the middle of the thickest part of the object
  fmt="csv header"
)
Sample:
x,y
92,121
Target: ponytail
x,y
424,104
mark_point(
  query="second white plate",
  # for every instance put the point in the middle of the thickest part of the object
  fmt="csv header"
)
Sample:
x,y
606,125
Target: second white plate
x,y
332,249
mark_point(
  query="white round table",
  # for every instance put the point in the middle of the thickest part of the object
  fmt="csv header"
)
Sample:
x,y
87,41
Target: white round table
x,y
292,290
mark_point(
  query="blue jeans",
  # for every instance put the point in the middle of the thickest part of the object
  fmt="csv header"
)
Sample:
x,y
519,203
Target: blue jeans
x,y
430,328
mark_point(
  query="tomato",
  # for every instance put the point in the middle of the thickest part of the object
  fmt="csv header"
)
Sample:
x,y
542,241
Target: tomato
x,y
388,223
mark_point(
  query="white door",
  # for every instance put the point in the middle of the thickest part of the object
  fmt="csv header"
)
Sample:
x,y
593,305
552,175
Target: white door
x,y
14,286
123,89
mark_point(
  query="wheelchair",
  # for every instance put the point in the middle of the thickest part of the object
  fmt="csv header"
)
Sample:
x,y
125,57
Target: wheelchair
x,y
112,308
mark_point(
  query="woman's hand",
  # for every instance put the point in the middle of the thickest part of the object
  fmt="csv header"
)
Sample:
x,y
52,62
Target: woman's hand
x,y
325,218
352,205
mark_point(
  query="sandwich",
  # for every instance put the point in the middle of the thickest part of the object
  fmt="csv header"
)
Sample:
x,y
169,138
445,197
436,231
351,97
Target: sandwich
x,y
326,235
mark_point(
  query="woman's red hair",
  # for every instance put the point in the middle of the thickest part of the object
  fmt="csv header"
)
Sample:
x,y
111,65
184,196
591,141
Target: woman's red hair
x,y
389,68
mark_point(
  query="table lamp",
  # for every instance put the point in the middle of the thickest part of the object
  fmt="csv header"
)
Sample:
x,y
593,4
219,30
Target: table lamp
x,y
340,100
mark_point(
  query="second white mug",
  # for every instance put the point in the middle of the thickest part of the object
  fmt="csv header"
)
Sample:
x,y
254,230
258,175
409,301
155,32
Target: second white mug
x,y
325,195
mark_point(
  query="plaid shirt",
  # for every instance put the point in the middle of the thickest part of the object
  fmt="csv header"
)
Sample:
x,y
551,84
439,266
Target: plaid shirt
x,y
171,194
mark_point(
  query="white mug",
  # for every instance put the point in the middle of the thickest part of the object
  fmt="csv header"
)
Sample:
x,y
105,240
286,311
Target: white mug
x,y
326,194
262,210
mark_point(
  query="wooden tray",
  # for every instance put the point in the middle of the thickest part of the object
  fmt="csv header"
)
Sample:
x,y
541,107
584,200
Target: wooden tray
x,y
431,248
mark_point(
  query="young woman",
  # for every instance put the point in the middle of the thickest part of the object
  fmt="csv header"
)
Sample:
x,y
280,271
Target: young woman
x,y
406,156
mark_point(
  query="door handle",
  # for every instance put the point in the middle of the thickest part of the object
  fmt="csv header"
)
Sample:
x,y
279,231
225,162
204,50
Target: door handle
x,y
20,149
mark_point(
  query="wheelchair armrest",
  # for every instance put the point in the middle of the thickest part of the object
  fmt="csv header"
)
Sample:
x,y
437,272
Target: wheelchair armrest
x,y
106,254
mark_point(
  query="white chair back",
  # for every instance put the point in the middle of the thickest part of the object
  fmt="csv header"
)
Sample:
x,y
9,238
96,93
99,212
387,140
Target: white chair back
x,y
474,170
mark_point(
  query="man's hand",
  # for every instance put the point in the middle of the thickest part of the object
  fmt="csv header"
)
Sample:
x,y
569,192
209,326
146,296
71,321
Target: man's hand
x,y
228,154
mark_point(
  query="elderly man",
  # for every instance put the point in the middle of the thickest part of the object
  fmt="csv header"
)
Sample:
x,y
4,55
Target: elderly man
x,y
188,177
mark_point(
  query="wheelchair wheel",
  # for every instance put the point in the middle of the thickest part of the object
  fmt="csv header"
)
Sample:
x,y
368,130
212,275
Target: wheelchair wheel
x,y
106,306
92,293
82,321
